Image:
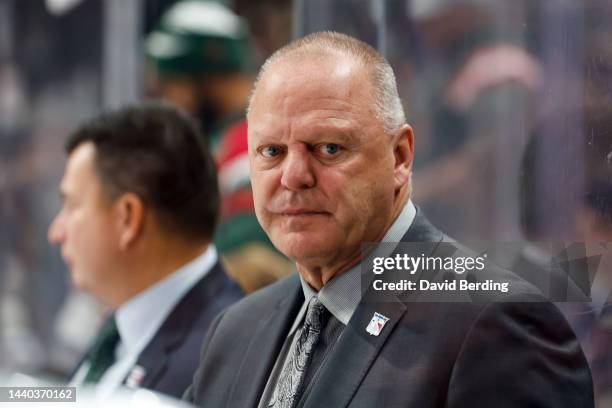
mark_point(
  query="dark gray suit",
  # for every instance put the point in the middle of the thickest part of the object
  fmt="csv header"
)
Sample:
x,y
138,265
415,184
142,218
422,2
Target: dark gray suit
x,y
485,354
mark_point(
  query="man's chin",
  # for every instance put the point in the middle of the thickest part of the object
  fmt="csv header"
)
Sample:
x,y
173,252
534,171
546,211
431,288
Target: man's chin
x,y
302,223
303,244
306,253
77,280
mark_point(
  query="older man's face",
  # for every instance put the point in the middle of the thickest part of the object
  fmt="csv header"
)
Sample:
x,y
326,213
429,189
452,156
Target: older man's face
x,y
322,167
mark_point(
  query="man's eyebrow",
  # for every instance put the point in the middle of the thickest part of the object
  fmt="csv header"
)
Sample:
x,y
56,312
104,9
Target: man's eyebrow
x,y
343,135
265,138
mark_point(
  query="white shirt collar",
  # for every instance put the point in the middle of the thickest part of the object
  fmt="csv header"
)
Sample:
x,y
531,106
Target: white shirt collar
x,y
138,321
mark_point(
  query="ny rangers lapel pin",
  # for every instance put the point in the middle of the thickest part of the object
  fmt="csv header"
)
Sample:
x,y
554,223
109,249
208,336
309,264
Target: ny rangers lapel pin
x,y
376,324
136,377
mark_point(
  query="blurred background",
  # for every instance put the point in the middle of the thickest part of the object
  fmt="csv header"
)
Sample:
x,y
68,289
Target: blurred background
x,y
511,104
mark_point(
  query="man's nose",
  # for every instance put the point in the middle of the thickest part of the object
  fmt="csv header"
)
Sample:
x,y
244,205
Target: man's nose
x,y
297,171
56,232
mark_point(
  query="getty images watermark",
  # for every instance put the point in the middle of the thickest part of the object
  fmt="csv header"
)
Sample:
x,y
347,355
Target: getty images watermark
x,y
449,272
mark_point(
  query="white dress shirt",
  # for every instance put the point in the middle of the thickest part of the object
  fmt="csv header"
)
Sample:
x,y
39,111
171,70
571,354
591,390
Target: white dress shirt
x,y
141,317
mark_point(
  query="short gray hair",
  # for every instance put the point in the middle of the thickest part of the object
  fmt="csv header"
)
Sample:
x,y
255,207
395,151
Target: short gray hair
x,y
387,103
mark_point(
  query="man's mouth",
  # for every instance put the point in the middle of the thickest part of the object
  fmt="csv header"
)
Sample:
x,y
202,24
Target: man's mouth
x,y
301,212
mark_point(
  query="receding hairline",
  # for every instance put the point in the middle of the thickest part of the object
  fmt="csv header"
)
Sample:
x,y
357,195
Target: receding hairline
x,y
328,45
324,45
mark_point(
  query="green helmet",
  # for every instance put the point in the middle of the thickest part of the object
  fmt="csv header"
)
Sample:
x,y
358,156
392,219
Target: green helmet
x,y
198,37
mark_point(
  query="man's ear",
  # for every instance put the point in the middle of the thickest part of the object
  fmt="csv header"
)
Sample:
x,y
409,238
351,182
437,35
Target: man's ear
x,y
403,152
130,211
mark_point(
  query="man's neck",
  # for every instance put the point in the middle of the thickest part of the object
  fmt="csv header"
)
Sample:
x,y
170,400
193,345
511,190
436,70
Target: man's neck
x,y
318,276
155,264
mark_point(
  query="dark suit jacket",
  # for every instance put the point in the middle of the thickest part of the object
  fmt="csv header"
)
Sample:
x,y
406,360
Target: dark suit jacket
x,y
468,354
170,359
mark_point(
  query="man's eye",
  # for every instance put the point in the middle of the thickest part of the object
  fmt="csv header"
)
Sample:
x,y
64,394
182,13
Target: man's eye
x,y
270,151
329,149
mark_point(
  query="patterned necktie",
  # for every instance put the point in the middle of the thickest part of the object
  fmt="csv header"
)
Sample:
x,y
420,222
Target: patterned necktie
x,y
102,354
290,384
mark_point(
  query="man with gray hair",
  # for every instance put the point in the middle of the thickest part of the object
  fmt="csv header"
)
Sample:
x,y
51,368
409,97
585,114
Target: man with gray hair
x,y
331,161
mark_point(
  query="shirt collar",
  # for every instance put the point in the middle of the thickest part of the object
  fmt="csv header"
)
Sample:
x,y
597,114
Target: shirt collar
x,y
138,321
342,294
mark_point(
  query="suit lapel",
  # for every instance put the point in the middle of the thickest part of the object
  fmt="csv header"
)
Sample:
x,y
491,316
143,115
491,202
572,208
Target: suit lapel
x,y
265,345
354,353
150,366
421,230
153,360
356,349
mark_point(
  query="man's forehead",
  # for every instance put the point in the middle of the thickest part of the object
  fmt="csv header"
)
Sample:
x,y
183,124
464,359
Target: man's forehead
x,y
309,86
332,72
82,157
80,165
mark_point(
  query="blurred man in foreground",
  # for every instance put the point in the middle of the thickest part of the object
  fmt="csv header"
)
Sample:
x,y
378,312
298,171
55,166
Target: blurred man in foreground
x,y
140,206
331,160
